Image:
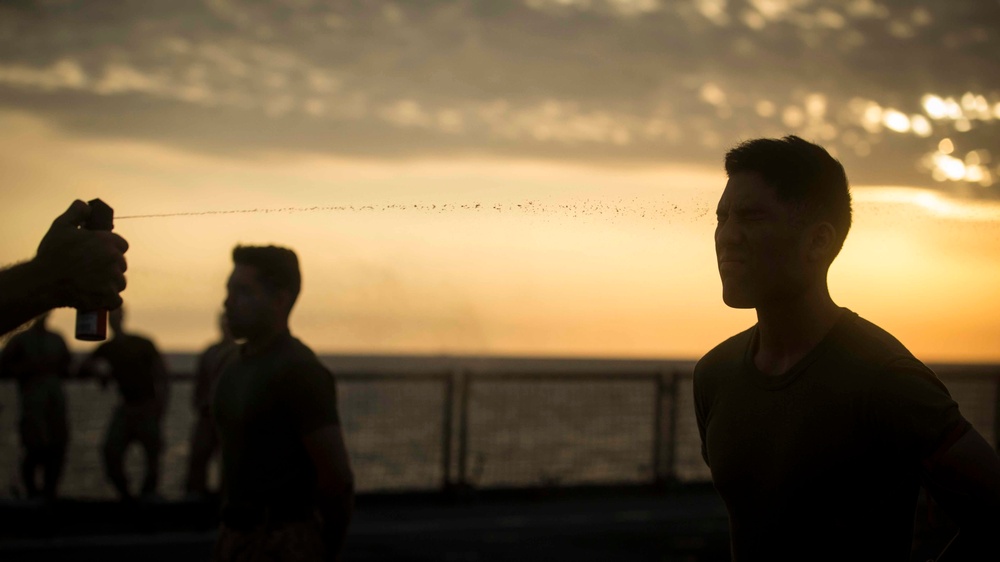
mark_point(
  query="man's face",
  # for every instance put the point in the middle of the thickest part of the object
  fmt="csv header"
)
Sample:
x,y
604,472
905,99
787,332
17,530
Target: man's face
x,y
758,243
250,307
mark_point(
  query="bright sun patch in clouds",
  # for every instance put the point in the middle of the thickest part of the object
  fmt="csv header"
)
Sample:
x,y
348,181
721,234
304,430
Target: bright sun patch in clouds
x,y
933,202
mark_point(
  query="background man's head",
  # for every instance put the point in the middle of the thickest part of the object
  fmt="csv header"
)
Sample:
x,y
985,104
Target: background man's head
x,y
783,219
261,290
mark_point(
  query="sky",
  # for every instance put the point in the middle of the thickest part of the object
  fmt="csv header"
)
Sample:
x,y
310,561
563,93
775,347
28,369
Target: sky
x,y
533,177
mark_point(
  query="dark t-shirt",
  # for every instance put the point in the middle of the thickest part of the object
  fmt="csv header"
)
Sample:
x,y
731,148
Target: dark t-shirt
x,y
822,462
263,405
135,366
212,362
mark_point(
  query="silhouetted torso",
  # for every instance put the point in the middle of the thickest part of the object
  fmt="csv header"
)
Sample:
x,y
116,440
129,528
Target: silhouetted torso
x,y
39,359
822,462
263,405
212,362
133,362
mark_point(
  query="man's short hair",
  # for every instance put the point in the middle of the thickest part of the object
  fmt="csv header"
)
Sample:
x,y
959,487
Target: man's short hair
x,y
277,267
801,173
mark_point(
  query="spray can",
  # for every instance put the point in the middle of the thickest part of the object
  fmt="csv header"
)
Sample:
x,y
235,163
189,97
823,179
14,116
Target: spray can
x,y
92,325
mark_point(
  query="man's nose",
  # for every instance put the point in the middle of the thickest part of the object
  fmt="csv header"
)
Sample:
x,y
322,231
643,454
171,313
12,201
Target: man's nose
x,y
726,233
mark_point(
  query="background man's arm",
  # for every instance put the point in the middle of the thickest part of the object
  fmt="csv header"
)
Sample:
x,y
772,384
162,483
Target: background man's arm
x,y
964,479
328,452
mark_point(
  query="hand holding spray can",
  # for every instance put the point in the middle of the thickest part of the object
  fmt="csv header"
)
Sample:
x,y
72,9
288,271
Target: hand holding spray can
x,y
92,325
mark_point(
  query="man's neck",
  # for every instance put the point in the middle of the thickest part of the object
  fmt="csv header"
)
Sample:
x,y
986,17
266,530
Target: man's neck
x,y
789,330
260,342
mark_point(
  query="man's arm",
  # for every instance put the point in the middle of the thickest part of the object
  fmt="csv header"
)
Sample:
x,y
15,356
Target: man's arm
x,y
964,479
328,452
73,267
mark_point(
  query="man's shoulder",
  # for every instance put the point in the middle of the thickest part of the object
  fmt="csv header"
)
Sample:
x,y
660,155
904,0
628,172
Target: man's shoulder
x,y
17,340
105,348
296,352
296,359
52,335
865,343
725,356
137,341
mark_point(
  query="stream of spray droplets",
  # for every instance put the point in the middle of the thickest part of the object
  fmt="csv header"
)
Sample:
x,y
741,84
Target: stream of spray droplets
x,y
633,208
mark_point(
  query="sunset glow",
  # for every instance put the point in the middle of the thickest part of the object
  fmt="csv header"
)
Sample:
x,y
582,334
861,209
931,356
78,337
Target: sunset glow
x,y
531,178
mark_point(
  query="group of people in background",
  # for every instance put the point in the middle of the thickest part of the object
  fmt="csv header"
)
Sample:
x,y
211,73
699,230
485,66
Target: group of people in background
x,y
268,405
38,360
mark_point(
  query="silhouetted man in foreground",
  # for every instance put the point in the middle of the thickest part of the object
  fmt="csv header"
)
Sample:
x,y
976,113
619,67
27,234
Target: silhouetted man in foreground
x,y
818,425
288,490
73,267
204,439
39,360
141,376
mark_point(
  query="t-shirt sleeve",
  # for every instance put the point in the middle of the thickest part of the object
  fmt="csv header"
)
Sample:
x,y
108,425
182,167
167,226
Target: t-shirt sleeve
x,y
310,396
916,410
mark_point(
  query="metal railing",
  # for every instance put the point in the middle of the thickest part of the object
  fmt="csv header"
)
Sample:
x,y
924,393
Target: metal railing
x,y
463,426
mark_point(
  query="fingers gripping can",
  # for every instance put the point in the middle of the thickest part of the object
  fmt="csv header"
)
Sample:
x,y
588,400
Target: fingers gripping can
x,y
92,325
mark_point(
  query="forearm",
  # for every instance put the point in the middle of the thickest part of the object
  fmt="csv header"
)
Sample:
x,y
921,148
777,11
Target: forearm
x,y
978,524
26,290
965,482
973,543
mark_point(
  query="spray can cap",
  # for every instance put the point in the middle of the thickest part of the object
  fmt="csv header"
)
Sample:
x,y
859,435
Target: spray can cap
x,y
101,216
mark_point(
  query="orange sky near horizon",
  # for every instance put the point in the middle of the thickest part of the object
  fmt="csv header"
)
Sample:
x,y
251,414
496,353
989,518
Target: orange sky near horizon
x,y
556,260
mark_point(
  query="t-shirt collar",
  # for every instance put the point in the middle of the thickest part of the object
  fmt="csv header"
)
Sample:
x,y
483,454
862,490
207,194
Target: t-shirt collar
x,y
775,382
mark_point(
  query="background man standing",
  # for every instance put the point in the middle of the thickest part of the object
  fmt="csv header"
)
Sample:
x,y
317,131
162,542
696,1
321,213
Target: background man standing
x,y
288,489
141,376
38,359
204,439
819,426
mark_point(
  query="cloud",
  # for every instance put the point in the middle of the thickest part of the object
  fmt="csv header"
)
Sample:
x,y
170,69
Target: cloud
x,y
636,81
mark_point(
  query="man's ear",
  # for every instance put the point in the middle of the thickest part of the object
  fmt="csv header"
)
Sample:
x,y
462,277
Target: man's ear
x,y
821,242
284,300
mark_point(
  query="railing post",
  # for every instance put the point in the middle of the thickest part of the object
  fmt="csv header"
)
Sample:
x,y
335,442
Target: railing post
x,y
671,448
658,428
463,430
446,429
